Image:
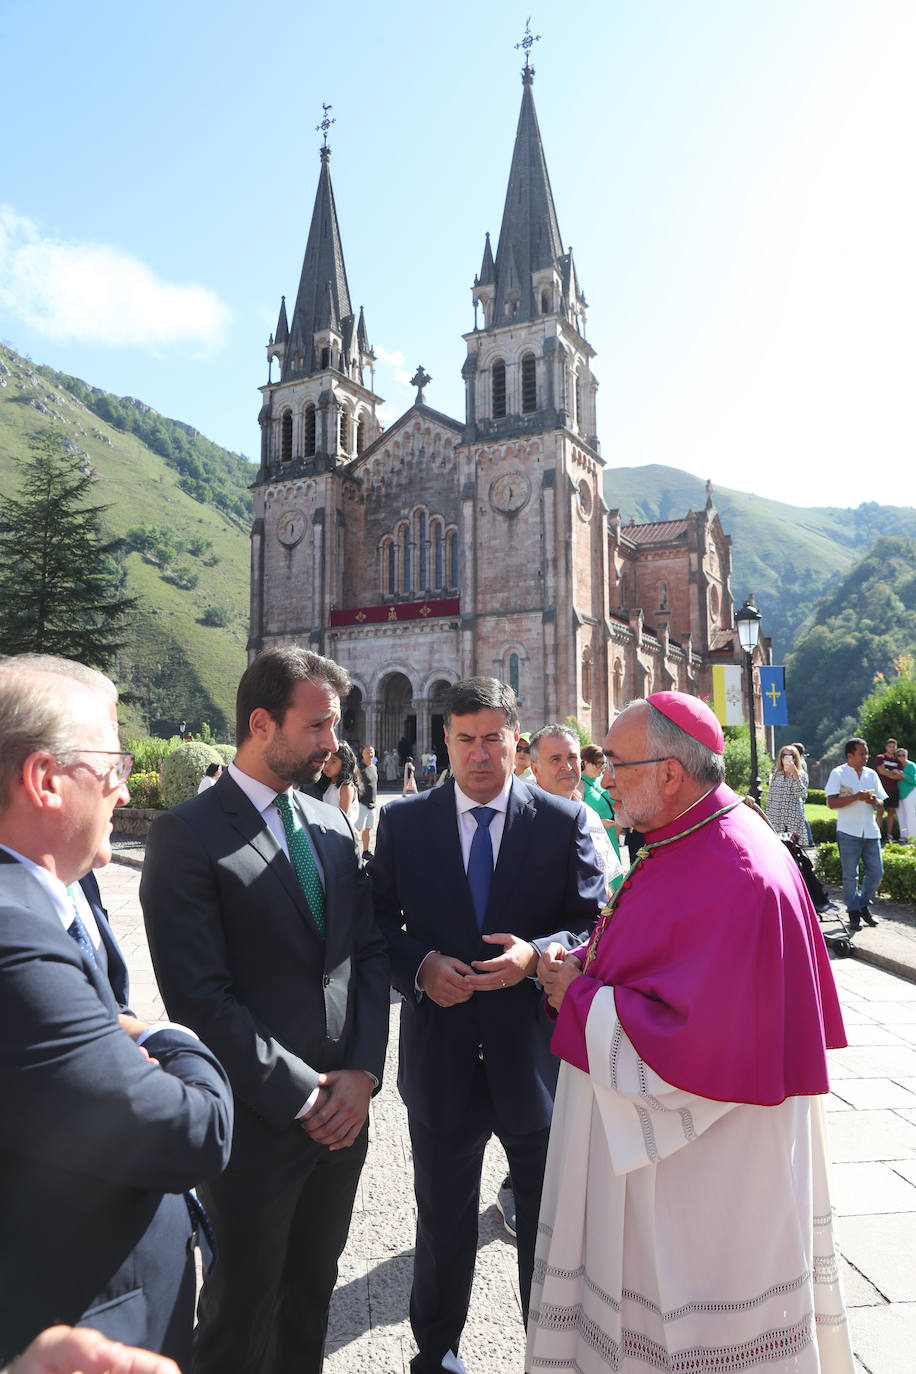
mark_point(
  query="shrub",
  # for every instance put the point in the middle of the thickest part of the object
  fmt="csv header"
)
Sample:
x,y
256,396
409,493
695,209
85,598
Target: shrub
x,y
183,769
225,751
898,882
148,752
823,831
216,616
827,863
816,797
145,790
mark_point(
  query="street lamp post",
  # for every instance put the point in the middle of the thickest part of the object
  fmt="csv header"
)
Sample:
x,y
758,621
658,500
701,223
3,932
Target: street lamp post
x,y
748,622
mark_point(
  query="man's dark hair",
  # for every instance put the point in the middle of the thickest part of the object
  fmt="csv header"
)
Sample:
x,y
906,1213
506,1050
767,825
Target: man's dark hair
x,y
269,681
852,744
473,694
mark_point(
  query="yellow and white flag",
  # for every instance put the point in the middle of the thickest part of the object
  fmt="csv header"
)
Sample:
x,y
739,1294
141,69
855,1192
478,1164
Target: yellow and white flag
x,y
727,698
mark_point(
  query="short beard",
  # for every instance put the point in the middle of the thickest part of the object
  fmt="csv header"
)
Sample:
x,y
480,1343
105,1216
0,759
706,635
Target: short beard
x,y
295,771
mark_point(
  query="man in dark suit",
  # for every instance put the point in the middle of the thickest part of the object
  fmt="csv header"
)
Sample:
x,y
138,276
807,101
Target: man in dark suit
x,y
454,871
98,1139
261,930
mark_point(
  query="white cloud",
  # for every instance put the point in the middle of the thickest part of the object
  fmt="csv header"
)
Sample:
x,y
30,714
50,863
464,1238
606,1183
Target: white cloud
x,y
396,362
98,293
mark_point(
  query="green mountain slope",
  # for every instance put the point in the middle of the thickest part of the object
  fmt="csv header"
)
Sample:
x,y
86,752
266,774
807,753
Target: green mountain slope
x,y
866,623
789,556
193,494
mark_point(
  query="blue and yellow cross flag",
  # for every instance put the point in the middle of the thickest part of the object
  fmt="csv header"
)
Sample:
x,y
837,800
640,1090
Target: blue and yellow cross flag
x,y
773,690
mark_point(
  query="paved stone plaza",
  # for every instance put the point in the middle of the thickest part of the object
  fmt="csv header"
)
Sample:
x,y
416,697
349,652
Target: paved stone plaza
x,y
873,1146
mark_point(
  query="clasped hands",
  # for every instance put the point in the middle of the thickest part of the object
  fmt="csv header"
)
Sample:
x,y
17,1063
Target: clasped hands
x,y
556,969
448,980
337,1115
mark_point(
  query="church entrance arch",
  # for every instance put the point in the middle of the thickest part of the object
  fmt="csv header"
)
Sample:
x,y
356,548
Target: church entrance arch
x,y
353,720
398,721
437,722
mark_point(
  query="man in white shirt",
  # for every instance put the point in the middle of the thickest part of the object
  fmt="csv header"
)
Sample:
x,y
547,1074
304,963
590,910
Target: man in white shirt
x,y
855,793
556,760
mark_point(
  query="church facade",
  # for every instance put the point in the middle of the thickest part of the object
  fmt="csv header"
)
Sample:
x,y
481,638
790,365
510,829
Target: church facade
x,y
439,548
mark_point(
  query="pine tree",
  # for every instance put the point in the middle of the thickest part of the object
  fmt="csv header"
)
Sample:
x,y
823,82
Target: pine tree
x,y
61,587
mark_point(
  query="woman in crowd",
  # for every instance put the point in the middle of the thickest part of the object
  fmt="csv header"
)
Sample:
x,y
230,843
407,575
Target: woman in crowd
x,y
209,778
786,797
342,773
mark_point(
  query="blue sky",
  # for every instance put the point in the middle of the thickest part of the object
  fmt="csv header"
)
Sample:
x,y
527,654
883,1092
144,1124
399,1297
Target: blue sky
x,y
735,179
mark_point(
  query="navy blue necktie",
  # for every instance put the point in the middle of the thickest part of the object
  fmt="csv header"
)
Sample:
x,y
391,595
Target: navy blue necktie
x,y
480,861
78,932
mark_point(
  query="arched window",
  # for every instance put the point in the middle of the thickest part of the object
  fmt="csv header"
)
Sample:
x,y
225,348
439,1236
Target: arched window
x,y
325,357
587,675
308,446
545,302
618,685
360,435
579,417
529,384
663,596
392,569
453,560
286,436
407,569
498,381
438,555
424,552
344,432
513,672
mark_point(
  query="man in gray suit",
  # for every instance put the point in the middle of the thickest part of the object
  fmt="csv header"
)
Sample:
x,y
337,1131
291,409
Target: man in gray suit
x,y
261,930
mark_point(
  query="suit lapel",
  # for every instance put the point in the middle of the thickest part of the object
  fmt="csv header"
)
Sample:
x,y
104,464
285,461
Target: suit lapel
x,y
513,849
250,824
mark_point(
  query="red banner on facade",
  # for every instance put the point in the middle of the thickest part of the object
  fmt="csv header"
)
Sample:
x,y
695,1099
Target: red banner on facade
x,y
397,611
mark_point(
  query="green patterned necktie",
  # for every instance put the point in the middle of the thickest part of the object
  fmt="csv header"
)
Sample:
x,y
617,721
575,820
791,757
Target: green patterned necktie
x,y
303,860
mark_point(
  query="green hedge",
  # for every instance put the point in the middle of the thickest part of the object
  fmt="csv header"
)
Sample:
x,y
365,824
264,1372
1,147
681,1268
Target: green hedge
x,y
898,882
823,831
816,797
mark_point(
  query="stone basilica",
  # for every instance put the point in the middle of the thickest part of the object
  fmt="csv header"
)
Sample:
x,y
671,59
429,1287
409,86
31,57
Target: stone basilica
x,y
440,548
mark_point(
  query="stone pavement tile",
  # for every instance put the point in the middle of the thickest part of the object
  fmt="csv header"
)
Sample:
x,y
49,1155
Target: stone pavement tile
x,y
389,1232
906,1168
867,1188
885,1338
496,1284
389,1289
892,1012
906,1031
491,1348
838,1067
834,1103
857,1291
864,1093
349,1315
882,1248
369,1354
870,1135
908,1114
880,1061
870,1033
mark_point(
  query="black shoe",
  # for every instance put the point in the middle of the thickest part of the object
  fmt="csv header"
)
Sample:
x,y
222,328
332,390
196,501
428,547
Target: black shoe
x,y
853,919
867,917
505,1203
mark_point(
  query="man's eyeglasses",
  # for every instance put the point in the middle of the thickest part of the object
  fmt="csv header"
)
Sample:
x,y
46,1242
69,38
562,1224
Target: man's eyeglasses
x,y
611,766
120,767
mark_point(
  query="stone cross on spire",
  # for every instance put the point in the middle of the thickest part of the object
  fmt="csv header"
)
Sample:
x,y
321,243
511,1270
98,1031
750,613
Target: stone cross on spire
x,y
528,43
420,379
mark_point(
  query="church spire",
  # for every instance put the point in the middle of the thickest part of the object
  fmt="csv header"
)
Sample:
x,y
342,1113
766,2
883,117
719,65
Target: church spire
x,y
322,310
529,239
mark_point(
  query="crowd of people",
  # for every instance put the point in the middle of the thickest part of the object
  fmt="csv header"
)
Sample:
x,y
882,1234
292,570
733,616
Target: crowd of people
x,y
621,1025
